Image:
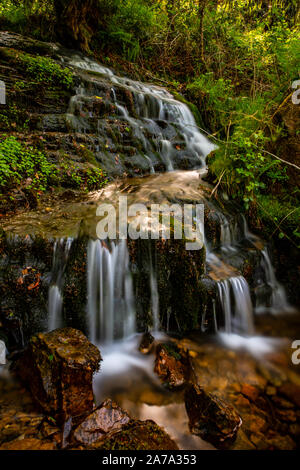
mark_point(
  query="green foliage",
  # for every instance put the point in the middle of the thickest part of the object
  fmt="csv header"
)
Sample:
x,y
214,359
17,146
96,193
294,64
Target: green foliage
x,y
46,70
29,168
12,117
128,25
18,163
280,217
74,176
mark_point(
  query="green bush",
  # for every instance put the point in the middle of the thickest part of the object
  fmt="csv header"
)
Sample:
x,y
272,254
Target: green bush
x,y
19,163
29,168
46,70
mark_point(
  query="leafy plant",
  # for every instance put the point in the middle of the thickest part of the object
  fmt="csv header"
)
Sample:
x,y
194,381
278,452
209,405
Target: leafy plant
x,y
46,70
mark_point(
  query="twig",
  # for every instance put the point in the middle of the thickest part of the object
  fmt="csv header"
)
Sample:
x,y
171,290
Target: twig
x,y
282,220
218,183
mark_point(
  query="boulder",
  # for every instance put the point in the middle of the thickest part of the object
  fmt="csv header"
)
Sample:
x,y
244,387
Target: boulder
x,y
169,365
106,419
147,343
58,368
211,418
139,435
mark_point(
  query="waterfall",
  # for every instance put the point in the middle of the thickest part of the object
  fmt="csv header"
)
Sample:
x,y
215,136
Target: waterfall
x,y
152,105
235,301
110,305
154,301
55,300
275,300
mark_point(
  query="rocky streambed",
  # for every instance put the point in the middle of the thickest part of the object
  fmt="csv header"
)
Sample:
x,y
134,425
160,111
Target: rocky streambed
x,y
205,394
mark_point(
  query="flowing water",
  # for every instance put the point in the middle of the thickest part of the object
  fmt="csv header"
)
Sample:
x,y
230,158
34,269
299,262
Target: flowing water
x,y
55,299
110,303
165,129
166,134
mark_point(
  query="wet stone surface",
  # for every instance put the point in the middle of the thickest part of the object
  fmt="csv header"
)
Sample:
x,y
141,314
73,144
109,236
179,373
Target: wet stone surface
x,y
58,368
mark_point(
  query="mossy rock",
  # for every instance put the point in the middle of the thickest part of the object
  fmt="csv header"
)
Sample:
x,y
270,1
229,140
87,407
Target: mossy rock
x,y
140,435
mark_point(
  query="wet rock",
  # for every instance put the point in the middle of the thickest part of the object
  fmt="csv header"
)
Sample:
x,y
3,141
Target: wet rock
x,y
281,443
250,392
58,367
255,425
28,444
211,418
259,440
147,343
288,416
139,435
169,365
292,392
282,402
107,418
273,374
271,391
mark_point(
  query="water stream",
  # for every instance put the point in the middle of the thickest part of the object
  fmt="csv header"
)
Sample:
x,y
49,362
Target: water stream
x,y
166,133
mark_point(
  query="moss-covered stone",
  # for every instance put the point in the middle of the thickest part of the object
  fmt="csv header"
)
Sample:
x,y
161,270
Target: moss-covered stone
x,y
139,435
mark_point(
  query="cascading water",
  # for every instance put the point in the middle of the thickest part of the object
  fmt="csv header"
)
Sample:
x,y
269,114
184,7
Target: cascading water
x,y
233,290
166,129
277,298
111,312
152,106
55,299
235,300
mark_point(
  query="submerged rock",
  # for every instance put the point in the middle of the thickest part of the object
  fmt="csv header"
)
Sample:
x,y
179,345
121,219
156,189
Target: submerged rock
x,y
211,418
58,367
147,343
106,419
28,444
169,365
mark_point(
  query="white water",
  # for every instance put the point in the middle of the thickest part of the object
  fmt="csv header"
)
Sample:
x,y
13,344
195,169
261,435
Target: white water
x,y
55,299
235,300
152,104
278,301
110,304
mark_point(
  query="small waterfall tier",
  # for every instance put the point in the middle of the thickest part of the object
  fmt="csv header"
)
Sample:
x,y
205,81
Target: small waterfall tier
x,y
239,263
110,303
133,127
55,298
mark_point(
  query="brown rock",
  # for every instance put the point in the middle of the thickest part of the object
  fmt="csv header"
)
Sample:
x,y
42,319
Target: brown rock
x,y
259,440
256,423
282,403
147,343
58,367
240,401
250,392
28,444
139,435
108,418
288,416
169,365
272,374
281,443
210,417
292,392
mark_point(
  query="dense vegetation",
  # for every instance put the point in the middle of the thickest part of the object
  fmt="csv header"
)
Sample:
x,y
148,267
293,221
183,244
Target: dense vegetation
x,y
27,168
236,60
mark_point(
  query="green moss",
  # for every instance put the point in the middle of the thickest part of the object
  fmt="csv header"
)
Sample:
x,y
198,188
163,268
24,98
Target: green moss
x,y
18,162
13,117
193,108
172,350
40,69
46,70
